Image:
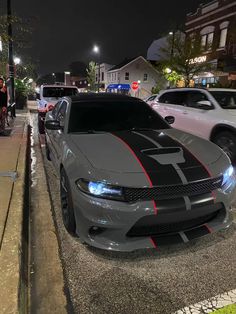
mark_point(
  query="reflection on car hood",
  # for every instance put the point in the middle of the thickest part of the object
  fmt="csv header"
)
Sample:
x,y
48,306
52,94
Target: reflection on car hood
x,y
165,157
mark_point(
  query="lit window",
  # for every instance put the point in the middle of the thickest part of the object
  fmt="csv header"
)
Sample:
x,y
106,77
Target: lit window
x,y
210,39
126,76
203,41
223,36
145,77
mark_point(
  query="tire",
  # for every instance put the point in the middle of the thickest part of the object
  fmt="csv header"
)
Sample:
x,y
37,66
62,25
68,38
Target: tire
x,y
68,216
47,151
226,140
40,126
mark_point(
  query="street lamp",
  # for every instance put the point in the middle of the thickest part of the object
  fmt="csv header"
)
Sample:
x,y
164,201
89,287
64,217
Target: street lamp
x,y
96,50
17,60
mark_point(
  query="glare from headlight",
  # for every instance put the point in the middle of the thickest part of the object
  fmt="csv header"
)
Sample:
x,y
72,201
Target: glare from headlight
x,y
101,189
228,178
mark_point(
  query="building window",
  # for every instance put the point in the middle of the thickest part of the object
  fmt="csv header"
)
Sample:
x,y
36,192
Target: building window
x,y
102,76
207,36
223,37
126,76
145,77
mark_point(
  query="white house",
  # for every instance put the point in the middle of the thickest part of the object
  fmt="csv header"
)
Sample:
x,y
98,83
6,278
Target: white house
x,y
103,69
121,77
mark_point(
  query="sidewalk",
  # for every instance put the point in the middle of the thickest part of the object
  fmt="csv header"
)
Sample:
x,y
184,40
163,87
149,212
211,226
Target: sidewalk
x,y
12,178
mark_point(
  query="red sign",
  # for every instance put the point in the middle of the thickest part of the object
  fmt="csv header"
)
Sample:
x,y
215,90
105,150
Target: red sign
x,y
134,86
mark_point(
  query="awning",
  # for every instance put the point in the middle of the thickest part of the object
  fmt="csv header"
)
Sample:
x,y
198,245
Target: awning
x,y
119,86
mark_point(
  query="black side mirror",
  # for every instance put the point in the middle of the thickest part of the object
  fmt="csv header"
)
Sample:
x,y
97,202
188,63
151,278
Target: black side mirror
x,y
53,125
170,119
205,104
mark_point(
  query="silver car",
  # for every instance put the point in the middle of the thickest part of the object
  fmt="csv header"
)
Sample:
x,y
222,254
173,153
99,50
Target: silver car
x,y
129,181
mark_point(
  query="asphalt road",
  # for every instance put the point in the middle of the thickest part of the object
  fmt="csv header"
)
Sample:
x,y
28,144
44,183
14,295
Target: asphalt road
x,y
147,281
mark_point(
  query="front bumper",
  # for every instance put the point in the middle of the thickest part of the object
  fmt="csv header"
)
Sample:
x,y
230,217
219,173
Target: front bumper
x,y
119,226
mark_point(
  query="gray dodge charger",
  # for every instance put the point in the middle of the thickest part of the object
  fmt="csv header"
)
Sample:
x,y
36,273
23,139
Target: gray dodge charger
x,y
128,180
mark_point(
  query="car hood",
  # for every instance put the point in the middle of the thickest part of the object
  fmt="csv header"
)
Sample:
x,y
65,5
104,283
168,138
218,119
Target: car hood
x,y
165,157
231,112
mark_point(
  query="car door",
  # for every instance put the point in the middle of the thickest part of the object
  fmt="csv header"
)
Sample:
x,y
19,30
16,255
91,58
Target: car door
x,y
58,135
171,104
196,120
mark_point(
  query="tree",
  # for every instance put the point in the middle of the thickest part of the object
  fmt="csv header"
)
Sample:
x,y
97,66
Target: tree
x,y
184,58
91,75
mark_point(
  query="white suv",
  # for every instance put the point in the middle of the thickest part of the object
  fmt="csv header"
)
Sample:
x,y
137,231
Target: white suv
x,y
210,114
48,97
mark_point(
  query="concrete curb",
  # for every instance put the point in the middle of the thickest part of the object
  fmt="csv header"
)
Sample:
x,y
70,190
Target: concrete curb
x,y
13,285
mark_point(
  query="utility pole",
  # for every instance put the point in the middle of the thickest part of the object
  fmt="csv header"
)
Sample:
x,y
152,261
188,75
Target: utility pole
x,y
10,60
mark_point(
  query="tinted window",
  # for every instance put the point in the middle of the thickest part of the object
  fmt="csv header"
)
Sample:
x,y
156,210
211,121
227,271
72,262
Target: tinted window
x,y
151,98
59,92
226,100
194,98
173,98
61,112
113,116
55,109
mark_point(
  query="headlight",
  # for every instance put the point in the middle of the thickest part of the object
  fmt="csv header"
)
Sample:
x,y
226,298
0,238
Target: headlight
x,y
101,189
229,178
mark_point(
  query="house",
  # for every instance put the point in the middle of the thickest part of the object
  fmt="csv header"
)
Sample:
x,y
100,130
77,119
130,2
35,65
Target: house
x,y
139,70
102,69
215,23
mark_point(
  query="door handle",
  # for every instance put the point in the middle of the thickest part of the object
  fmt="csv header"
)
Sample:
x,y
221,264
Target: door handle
x,y
185,112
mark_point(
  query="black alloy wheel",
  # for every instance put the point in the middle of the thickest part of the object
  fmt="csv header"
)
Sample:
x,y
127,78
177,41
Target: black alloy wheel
x,y
66,204
227,142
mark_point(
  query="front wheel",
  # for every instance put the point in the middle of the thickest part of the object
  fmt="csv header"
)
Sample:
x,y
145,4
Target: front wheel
x,y
226,140
66,204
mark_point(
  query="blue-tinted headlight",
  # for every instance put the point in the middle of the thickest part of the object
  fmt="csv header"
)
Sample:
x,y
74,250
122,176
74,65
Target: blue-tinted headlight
x,y
101,189
229,178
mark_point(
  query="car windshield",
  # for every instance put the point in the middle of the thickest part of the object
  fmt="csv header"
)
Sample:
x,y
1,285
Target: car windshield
x,y
226,99
58,92
107,116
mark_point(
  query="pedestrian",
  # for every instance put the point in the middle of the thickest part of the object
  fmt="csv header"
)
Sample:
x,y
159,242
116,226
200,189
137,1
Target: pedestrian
x,y
3,105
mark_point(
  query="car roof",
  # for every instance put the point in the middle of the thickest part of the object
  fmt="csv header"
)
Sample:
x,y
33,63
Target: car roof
x,y
178,89
103,96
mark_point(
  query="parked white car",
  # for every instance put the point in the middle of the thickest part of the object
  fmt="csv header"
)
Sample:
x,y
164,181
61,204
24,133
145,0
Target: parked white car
x,y
210,114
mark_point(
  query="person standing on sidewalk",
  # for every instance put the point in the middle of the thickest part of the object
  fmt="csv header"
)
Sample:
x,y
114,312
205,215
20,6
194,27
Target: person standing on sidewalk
x,y
3,105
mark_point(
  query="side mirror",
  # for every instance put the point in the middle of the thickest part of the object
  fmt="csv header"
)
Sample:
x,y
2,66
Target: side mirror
x,y
38,96
170,119
53,125
205,104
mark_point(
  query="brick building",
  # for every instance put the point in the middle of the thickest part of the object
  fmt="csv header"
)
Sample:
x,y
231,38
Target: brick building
x,y
215,23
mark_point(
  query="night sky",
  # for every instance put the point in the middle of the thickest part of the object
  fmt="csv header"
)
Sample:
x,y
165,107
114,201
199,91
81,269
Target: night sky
x,y
65,31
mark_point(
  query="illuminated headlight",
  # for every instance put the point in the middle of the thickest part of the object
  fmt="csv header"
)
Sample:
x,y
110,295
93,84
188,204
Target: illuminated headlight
x,y
101,189
229,178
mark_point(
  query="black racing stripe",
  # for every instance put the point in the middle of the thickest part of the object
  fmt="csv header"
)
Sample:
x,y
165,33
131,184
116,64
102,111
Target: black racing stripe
x,y
197,232
201,200
171,206
192,168
167,239
159,174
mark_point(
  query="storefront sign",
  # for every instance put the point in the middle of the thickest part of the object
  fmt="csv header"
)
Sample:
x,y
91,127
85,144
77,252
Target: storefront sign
x,y
198,60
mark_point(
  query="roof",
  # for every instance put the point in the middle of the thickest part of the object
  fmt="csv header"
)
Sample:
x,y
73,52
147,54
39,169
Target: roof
x,y
103,96
122,64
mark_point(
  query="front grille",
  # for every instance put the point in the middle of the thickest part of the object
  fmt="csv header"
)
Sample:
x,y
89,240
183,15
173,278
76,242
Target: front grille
x,y
141,230
172,191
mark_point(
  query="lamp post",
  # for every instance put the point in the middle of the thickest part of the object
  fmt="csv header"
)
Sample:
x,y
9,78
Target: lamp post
x,y
10,60
96,50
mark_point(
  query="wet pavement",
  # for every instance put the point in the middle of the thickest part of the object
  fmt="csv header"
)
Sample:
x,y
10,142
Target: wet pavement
x,y
147,281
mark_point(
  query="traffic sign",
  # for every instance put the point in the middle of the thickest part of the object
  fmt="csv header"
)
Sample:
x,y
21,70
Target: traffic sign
x,y
135,86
